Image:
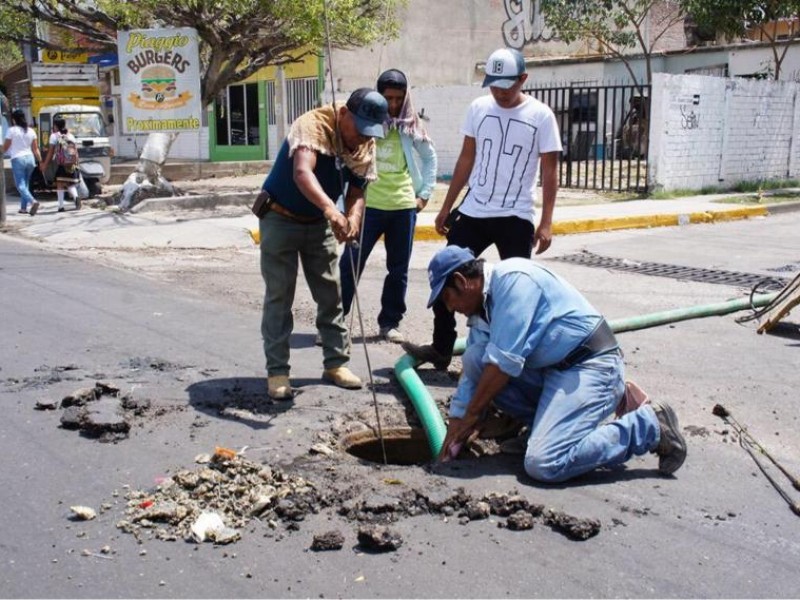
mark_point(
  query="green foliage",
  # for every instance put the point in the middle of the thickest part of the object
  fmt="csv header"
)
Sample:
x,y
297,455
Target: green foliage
x,y
732,17
618,26
237,37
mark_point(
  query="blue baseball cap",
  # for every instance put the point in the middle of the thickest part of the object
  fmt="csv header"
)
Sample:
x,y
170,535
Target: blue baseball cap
x,y
444,262
370,110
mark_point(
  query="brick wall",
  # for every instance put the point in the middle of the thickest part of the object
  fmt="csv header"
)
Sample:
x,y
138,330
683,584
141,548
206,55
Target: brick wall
x,y
710,131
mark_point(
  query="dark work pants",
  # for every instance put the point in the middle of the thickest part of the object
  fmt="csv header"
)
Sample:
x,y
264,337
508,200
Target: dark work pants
x,y
512,236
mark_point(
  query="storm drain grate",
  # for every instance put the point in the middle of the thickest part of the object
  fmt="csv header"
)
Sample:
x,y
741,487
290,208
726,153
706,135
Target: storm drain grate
x,y
734,278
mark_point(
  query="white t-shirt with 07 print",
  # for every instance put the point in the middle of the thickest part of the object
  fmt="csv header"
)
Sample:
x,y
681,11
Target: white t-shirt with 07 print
x,y
508,142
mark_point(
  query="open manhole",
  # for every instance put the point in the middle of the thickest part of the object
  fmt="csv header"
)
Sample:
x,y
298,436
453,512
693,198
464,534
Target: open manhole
x,y
404,446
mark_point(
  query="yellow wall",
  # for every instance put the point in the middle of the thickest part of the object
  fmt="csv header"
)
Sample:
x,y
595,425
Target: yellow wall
x,y
307,67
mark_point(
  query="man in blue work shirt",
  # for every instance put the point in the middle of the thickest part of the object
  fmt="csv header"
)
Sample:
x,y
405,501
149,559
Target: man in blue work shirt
x,y
327,148
542,354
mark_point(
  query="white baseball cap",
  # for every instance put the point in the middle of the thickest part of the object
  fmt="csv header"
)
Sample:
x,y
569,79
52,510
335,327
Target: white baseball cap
x,y
503,68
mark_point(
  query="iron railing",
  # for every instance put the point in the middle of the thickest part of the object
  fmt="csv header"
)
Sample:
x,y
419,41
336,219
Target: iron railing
x,y
604,131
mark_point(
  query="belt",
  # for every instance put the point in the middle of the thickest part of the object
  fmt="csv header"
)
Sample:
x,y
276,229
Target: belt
x,y
285,212
599,341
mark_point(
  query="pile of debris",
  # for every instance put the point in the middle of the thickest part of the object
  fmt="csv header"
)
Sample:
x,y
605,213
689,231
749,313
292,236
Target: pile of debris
x,y
214,501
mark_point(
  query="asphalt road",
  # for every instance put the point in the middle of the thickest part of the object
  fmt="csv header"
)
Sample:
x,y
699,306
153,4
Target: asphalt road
x,y
717,529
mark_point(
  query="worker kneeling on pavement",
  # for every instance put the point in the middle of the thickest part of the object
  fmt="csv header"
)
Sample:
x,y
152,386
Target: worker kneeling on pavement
x,y
542,354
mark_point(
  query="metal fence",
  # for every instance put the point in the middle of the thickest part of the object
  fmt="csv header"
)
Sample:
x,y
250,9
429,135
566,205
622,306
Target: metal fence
x,y
604,131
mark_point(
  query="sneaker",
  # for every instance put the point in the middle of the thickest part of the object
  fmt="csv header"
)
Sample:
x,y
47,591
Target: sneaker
x,y
392,334
671,447
427,353
34,207
342,377
22,211
279,387
78,203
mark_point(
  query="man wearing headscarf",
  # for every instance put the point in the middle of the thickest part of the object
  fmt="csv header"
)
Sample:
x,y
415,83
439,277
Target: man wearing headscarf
x,y
406,177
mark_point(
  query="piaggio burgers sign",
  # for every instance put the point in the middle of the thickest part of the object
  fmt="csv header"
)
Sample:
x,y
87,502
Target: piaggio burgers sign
x,y
160,80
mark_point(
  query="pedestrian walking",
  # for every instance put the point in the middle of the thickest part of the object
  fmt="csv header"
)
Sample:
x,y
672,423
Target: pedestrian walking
x,y
298,218
506,134
21,144
63,149
406,161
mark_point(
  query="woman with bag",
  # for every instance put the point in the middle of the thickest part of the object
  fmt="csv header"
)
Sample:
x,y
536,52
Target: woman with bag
x,y
64,149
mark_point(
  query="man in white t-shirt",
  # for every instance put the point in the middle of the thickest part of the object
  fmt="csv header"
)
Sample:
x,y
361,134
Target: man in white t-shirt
x,y
506,135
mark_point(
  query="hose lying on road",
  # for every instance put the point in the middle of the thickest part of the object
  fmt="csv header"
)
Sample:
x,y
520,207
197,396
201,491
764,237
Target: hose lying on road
x,y
431,418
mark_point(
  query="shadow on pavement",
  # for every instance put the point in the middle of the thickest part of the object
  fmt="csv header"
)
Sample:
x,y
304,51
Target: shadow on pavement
x,y
240,399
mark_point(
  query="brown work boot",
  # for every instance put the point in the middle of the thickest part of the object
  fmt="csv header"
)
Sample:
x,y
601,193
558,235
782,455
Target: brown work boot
x,y
671,447
342,377
427,353
516,446
279,388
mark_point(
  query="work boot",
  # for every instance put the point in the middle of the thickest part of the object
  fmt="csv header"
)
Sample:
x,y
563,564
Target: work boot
x,y
671,447
516,446
279,388
343,377
392,334
427,353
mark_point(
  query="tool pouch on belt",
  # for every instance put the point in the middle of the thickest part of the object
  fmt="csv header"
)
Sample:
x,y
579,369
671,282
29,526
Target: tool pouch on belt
x,y
262,204
599,341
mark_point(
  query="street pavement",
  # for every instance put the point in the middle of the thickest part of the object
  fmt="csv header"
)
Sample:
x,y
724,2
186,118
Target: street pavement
x,y
215,220
717,529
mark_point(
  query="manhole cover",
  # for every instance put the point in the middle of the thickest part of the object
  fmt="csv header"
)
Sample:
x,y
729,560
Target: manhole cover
x,y
404,446
734,278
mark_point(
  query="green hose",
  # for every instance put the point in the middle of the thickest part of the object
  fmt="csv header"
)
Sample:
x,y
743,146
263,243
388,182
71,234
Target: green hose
x,y
692,312
432,420
423,403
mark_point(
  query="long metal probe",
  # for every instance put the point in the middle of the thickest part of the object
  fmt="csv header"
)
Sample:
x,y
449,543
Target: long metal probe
x,y
352,263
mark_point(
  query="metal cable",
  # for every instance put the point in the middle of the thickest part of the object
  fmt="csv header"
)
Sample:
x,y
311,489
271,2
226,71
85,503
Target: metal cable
x,y
352,264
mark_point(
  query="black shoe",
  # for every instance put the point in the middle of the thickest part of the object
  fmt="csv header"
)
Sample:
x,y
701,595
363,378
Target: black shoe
x,y
78,203
671,447
34,207
427,353
61,209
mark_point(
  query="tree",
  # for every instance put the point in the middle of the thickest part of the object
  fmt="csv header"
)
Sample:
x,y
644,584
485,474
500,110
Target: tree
x,y
618,26
733,18
237,38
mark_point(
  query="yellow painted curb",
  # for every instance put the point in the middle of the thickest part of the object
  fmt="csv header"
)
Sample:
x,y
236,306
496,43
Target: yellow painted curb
x,y
427,233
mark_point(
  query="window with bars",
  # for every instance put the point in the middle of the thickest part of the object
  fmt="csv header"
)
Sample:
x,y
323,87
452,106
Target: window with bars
x,y
301,96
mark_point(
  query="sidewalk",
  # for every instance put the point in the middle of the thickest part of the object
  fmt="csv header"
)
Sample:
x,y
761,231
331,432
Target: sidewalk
x,y
214,221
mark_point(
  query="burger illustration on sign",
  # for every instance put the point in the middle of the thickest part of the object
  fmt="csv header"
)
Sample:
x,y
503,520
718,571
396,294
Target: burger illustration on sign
x,y
158,83
159,89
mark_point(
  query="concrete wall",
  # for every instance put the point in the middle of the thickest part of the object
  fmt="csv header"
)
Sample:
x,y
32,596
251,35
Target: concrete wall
x,y
711,131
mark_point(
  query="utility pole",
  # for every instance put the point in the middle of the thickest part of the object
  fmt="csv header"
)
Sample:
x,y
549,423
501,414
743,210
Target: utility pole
x,y
3,102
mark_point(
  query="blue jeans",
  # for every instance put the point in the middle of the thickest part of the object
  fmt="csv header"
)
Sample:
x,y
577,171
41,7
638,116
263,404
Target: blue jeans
x,y
22,167
565,412
397,229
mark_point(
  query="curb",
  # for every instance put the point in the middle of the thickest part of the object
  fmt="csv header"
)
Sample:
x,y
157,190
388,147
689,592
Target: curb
x,y
189,202
427,233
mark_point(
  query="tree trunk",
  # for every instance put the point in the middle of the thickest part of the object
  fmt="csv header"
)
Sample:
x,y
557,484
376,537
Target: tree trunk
x,y
146,181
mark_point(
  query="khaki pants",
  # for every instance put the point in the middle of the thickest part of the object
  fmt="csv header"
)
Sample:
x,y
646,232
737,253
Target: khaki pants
x,y
282,242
